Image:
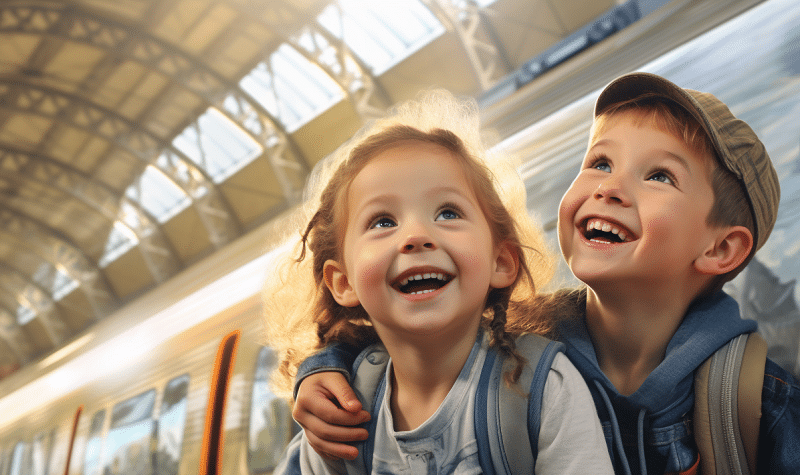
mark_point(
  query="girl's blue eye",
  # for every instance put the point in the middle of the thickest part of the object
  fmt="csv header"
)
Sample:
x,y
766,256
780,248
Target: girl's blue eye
x,y
662,177
383,222
447,214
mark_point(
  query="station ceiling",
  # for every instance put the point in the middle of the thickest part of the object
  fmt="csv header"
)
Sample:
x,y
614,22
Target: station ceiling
x,y
139,136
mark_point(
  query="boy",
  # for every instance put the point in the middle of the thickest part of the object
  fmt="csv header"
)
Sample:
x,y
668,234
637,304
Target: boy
x,y
674,197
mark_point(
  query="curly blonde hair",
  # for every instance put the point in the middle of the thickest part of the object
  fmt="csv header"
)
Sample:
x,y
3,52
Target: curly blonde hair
x,y
301,315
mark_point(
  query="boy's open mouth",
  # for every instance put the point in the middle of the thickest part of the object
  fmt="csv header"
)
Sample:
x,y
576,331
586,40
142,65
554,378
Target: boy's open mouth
x,y
600,230
423,283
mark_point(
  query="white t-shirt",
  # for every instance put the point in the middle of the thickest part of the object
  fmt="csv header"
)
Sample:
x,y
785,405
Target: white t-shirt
x,y
570,438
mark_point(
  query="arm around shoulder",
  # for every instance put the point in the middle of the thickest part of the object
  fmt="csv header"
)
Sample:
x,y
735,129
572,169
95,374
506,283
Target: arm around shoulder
x,y
779,437
337,357
570,438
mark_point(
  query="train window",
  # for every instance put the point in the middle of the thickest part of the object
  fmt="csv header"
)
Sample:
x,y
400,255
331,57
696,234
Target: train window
x,y
130,436
41,449
271,424
18,465
92,459
171,423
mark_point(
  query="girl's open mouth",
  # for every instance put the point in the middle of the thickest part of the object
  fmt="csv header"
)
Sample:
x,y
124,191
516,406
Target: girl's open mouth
x,y
423,283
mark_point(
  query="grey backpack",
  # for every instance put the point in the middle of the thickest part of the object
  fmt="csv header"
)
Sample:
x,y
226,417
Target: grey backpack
x,y
727,406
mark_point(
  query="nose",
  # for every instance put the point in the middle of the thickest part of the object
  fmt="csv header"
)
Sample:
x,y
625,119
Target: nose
x,y
417,239
417,243
611,190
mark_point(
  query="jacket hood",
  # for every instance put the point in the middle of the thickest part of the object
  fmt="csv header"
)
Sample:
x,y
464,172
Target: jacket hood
x,y
707,326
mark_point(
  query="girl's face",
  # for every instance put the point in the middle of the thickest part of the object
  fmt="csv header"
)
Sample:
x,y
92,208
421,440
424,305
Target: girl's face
x,y
418,252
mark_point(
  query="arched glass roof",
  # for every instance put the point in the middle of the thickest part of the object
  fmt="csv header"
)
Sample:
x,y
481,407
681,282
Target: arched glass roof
x,y
138,137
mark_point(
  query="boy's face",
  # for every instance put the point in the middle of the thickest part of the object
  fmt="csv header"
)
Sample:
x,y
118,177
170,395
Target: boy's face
x,y
418,251
636,213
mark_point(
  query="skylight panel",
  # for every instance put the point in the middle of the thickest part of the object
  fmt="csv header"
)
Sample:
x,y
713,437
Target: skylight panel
x,y
483,3
120,240
381,33
157,194
63,285
291,88
217,145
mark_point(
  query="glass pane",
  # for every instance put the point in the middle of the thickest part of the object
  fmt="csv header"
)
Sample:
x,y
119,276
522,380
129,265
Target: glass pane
x,y
40,454
271,424
291,88
18,460
171,424
157,194
92,459
120,240
217,145
381,33
132,430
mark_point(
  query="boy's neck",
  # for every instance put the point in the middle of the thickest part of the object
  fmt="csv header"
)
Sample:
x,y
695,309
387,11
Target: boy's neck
x,y
422,376
630,331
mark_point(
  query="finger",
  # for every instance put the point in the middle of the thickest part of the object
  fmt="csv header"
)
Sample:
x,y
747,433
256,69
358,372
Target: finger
x,y
333,433
345,396
321,407
331,450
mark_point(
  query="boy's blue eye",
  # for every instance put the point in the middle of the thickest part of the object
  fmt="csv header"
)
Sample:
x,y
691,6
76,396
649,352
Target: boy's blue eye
x,y
383,222
447,214
602,166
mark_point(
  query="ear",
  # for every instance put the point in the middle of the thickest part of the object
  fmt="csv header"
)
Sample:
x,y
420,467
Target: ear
x,y
337,282
506,266
730,249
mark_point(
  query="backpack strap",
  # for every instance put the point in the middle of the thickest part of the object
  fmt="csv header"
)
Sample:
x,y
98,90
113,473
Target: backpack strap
x,y
500,408
369,370
727,409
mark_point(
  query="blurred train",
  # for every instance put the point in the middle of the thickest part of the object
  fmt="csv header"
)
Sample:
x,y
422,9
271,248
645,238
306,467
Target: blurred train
x,y
177,382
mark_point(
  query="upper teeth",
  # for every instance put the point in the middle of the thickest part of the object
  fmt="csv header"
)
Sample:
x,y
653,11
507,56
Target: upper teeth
x,y
408,279
605,227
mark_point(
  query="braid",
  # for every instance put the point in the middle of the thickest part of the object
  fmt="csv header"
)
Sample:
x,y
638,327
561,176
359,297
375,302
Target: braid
x,y
503,340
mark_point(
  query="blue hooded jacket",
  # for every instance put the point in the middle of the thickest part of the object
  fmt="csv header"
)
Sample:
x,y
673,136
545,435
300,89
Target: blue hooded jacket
x,y
650,430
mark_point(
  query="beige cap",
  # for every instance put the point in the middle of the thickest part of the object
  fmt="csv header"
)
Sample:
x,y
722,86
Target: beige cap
x,y
737,145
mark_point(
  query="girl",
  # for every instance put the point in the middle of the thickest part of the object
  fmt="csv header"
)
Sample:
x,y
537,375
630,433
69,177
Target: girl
x,y
413,244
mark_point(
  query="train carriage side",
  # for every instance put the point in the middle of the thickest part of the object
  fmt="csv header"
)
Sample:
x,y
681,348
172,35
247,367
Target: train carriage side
x,y
159,418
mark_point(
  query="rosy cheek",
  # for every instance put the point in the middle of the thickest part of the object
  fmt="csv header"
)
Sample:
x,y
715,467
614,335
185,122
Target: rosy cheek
x,y
568,207
369,270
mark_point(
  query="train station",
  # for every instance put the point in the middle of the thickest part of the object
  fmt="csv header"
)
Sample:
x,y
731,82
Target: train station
x,y
154,159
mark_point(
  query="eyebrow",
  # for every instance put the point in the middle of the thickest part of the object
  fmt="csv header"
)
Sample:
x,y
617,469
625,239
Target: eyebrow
x,y
674,156
387,198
